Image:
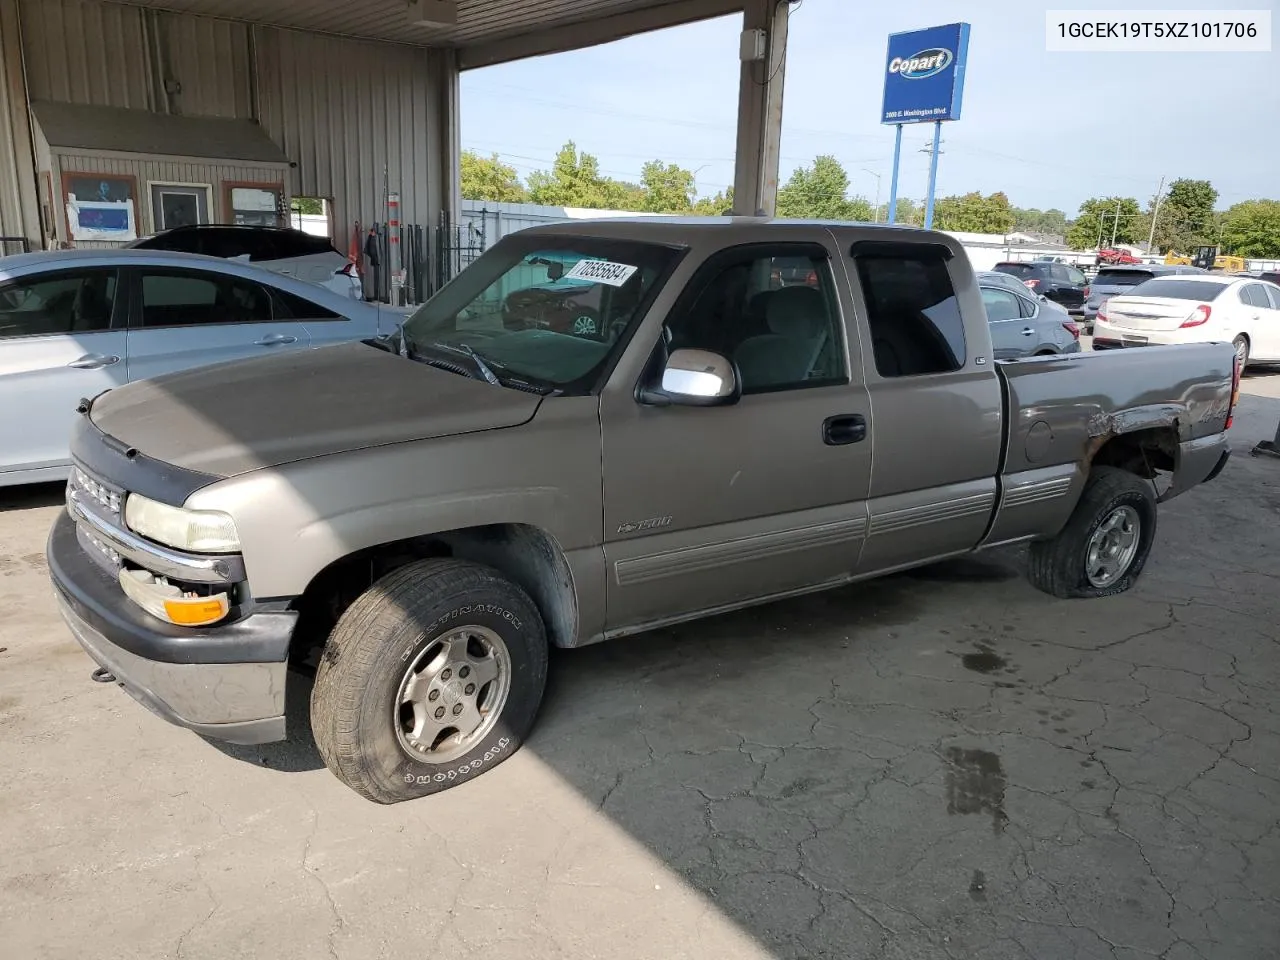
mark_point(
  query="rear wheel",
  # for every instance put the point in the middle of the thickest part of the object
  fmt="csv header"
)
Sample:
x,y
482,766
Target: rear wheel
x,y
433,676
1105,544
1241,343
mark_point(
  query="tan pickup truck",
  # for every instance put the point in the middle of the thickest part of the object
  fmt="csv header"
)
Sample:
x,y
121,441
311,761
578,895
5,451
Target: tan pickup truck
x,y
424,515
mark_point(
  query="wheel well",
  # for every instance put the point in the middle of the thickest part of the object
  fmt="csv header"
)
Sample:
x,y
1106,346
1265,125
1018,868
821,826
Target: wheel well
x,y
1142,452
524,554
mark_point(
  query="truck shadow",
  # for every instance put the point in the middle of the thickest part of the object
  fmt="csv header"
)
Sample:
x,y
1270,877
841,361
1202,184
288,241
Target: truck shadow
x,y
705,649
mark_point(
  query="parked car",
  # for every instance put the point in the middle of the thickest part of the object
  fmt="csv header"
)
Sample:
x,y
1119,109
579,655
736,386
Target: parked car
x,y
1110,281
1060,282
1195,309
75,323
295,253
1271,276
431,513
1023,325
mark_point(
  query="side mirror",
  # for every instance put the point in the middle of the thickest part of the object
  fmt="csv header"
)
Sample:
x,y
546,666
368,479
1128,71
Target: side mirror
x,y
695,378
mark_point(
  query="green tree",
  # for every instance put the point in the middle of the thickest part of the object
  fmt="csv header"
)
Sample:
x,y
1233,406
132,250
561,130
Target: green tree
x,y
668,188
908,212
309,206
821,192
488,178
974,213
1185,217
1030,220
620,195
718,206
574,180
1252,228
1099,216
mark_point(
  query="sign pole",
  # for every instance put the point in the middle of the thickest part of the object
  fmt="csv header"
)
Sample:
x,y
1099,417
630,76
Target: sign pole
x,y
933,175
893,180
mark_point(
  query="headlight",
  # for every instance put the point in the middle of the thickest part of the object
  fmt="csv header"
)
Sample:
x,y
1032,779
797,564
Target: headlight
x,y
200,531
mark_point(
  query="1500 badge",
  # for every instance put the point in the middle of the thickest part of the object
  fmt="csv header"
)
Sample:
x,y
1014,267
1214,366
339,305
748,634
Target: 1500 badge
x,y
651,524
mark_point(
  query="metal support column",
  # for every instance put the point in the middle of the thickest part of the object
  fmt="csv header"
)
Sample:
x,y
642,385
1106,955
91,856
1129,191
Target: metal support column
x,y
755,177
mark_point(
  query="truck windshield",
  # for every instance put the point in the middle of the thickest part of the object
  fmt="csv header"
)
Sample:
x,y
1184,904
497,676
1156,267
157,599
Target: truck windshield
x,y
1169,288
548,309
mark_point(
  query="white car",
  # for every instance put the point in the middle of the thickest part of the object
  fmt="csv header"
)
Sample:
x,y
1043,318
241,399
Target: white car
x,y
1195,308
76,323
285,250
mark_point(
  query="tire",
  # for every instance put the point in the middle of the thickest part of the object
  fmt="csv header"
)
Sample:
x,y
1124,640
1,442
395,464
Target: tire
x,y
432,618
1241,345
1060,566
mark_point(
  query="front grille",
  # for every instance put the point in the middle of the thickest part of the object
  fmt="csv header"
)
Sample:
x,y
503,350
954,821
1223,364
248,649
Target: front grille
x,y
94,494
88,494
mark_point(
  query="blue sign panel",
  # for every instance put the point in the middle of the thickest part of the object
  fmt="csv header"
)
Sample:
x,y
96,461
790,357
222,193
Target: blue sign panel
x,y
924,74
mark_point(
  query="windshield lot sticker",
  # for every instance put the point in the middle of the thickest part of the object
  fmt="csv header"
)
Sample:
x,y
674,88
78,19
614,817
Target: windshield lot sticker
x,y
601,271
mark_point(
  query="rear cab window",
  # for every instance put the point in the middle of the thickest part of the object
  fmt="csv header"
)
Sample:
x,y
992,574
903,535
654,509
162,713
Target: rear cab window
x,y
912,310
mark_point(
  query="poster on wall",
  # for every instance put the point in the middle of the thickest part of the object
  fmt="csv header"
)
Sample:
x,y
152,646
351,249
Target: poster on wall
x,y
100,207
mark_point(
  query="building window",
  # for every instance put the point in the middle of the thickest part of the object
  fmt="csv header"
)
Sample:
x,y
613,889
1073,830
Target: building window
x,y
255,204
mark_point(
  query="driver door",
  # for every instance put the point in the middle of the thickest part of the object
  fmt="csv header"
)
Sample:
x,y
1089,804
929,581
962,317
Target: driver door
x,y
711,507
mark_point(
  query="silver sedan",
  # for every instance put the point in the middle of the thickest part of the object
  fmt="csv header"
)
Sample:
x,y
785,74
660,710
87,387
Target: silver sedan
x,y
75,323
1023,325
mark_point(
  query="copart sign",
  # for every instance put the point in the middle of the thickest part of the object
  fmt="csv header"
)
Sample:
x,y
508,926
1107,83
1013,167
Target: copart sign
x,y
924,74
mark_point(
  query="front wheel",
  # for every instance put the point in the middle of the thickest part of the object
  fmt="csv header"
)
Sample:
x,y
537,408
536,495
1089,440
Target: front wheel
x,y
1105,544
433,676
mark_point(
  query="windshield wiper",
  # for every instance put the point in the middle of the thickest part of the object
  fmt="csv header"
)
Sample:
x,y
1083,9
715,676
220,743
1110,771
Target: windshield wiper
x,y
485,370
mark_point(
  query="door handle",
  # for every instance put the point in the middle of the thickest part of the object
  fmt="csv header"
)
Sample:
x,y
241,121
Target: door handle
x,y
93,361
842,429
275,339
1028,332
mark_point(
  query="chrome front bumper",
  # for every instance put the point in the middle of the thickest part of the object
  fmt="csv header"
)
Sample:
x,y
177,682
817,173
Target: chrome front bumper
x,y
225,682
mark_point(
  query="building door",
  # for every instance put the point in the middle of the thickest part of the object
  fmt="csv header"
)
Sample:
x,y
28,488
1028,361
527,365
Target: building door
x,y
178,205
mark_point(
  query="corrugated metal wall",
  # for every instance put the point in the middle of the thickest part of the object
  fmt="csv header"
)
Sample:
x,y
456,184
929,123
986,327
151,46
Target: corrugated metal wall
x,y
19,213
346,111
80,51
211,60
148,170
343,110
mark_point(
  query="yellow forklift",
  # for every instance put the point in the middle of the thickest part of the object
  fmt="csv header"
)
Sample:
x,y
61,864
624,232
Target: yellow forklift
x,y
1208,258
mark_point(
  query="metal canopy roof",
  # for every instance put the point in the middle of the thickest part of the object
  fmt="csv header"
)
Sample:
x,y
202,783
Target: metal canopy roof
x,y
479,21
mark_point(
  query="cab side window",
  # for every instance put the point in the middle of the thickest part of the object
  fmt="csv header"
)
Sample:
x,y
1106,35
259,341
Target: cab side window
x,y
914,316
772,311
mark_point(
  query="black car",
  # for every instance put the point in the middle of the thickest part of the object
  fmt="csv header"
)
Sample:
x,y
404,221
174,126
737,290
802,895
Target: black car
x,y
228,240
1060,282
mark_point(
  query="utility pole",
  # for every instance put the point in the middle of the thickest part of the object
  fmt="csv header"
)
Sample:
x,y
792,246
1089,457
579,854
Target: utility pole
x,y
1155,213
1115,226
877,176
933,150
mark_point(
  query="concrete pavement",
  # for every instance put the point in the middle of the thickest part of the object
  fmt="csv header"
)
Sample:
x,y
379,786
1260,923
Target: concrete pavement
x,y
942,765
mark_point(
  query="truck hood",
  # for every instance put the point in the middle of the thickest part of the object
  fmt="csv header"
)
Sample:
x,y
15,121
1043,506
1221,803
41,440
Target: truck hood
x,y
235,417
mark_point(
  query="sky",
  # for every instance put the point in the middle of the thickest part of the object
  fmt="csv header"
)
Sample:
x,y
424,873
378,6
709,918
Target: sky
x,y
1049,129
